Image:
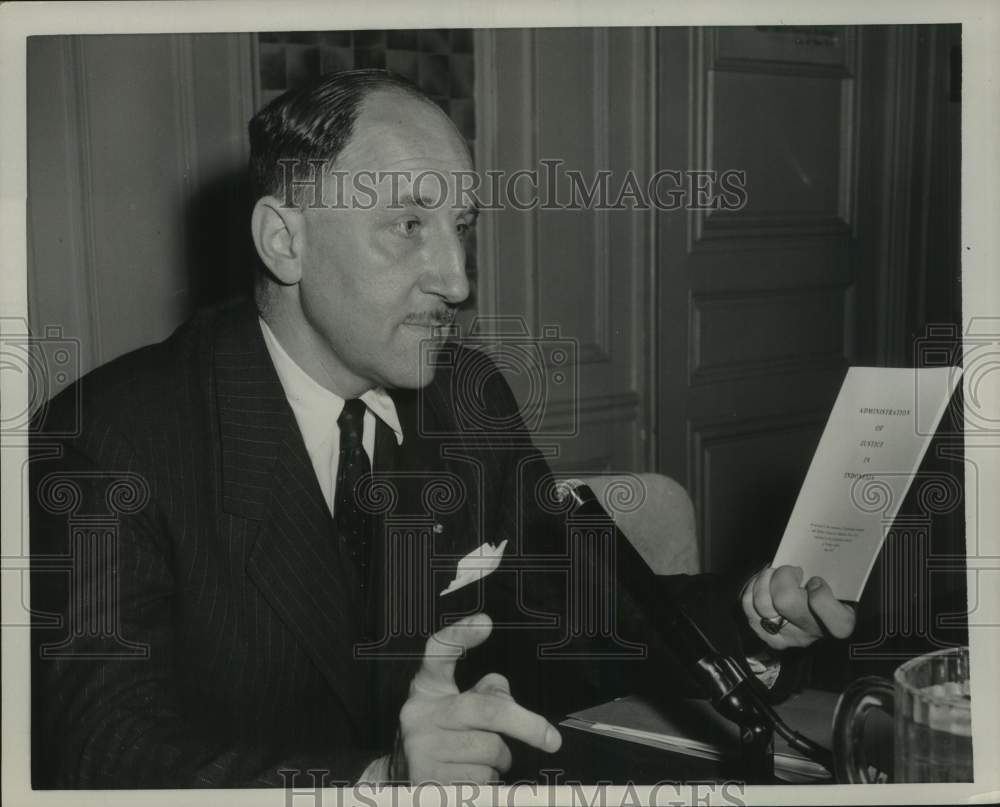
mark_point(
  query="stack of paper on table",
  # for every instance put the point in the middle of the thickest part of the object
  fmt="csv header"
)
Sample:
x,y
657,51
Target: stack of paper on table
x,y
694,728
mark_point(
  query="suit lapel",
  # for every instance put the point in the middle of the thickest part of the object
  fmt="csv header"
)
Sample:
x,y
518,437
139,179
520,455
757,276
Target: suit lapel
x,y
268,477
432,443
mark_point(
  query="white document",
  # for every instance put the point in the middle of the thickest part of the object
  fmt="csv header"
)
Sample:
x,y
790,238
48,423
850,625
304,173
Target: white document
x,y
878,432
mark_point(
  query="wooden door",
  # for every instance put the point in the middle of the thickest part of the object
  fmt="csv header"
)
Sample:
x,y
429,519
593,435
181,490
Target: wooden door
x,y
757,306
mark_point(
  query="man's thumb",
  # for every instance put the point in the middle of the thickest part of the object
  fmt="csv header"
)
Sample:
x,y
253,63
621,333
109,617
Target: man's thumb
x,y
449,644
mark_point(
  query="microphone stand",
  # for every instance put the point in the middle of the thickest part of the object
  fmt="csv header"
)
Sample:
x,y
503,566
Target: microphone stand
x,y
734,692
730,692
756,760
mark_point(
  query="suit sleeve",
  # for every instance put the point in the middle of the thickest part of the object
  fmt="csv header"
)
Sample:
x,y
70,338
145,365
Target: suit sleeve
x,y
595,662
107,709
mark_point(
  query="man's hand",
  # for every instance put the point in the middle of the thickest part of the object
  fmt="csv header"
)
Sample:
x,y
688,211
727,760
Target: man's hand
x,y
449,736
809,611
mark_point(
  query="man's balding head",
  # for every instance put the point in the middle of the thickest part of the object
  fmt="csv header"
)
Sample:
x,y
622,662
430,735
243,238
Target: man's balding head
x,y
313,124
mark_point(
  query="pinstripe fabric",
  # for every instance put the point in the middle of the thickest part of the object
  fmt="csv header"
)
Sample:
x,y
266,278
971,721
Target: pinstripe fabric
x,y
229,576
230,579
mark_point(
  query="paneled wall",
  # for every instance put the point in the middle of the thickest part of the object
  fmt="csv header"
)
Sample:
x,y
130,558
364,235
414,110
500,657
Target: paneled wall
x,y
762,308
136,153
583,276
757,304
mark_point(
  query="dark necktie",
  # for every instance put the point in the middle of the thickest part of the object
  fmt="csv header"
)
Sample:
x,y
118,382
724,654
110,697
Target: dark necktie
x,y
351,522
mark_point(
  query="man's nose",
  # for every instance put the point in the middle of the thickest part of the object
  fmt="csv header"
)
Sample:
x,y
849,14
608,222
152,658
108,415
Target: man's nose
x,y
446,275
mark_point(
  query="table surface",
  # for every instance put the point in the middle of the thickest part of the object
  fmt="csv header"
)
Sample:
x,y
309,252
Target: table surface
x,y
592,758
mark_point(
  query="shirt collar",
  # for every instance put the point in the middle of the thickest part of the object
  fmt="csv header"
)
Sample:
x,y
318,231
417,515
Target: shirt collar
x,y
309,395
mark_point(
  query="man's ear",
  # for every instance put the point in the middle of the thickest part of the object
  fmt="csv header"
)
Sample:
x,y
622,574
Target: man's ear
x,y
278,235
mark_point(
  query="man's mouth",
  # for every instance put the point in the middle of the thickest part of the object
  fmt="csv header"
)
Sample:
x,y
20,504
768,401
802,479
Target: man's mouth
x,y
436,319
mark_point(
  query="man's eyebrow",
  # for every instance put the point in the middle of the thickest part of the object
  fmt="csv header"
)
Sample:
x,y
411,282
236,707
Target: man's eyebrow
x,y
409,200
428,202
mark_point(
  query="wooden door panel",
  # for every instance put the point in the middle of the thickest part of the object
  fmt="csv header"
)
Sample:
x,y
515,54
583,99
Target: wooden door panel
x,y
795,48
572,261
576,96
781,105
778,331
800,118
759,463
757,304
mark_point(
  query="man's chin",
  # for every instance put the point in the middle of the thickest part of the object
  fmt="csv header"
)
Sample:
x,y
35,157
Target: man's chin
x,y
423,366
427,373
418,378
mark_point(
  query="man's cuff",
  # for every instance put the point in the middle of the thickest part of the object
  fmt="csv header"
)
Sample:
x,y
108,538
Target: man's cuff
x,y
765,666
377,772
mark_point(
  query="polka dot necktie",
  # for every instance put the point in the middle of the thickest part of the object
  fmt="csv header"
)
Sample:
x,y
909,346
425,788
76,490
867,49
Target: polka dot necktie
x,y
351,521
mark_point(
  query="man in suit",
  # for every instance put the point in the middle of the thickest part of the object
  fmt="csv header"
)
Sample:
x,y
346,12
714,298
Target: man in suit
x,y
232,619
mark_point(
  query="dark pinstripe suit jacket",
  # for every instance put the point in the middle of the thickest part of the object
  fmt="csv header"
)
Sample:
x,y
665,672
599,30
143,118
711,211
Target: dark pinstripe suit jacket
x,y
207,633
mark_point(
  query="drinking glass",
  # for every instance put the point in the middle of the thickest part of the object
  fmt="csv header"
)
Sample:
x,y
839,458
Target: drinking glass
x,y
932,737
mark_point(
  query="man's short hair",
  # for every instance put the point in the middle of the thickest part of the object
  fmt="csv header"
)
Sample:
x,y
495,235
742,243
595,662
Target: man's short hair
x,y
313,122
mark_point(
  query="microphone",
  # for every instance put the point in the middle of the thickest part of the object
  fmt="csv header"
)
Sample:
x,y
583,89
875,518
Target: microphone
x,y
735,694
717,674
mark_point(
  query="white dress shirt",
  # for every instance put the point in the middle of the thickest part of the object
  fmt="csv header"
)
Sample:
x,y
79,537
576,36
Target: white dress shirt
x,y
316,410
